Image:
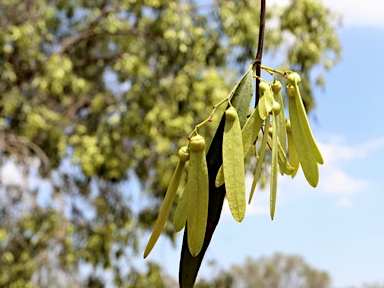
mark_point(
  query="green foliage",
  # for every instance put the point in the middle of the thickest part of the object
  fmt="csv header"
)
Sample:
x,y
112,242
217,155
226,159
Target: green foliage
x,y
279,270
154,277
98,91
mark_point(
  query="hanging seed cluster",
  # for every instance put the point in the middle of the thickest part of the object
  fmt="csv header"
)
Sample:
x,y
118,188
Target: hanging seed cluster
x,y
290,140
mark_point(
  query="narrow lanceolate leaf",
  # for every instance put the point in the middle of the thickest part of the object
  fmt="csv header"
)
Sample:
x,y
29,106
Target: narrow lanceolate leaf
x,y
302,143
180,216
274,170
292,153
249,134
266,100
165,207
261,157
280,119
233,165
302,115
197,203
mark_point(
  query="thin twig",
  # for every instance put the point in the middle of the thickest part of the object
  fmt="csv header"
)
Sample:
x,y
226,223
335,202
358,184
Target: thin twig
x,y
259,54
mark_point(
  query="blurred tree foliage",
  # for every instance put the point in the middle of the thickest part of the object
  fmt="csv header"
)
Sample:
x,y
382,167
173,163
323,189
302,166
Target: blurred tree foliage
x,y
277,271
96,93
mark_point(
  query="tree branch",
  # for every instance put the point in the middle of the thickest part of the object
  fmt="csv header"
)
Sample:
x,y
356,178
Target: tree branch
x,y
259,53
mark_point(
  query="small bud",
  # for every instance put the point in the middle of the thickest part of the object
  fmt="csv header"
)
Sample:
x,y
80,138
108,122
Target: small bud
x,y
197,143
230,114
183,154
276,108
288,125
294,78
276,87
264,86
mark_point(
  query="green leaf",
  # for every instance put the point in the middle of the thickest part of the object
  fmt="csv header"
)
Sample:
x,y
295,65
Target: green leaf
x,y
233,166
242,95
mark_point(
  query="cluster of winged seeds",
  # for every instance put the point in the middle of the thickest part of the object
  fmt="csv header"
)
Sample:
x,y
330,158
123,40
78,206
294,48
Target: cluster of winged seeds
x,y
290,140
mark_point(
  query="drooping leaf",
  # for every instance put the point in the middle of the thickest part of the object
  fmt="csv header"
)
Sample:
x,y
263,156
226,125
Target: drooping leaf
x,y
242,95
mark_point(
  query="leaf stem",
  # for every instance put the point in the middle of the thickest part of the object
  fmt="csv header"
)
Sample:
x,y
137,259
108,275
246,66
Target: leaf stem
x,y
261,79
209,119
272,70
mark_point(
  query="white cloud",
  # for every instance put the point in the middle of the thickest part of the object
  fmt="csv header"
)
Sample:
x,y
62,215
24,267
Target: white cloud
x,y
337,156
336,176
344,202
337,179
369,13
258,206
10,174
260,200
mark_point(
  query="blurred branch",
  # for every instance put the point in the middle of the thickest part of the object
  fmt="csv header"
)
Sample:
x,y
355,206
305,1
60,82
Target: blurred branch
x,y
85,34
8,139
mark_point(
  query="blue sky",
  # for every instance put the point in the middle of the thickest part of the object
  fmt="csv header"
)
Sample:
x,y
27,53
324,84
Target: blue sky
x,y
339,226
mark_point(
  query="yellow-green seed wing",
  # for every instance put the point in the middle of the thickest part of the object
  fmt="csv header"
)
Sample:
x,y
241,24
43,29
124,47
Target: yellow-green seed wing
x,y
304,121
249,134
233,168
180,216
197,204
261,158
280,118
285,167
265,101
274,170
302,143
165,207
294,80
292,153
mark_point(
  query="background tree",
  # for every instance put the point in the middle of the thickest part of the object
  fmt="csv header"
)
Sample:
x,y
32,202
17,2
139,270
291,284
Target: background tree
x,y
95,94
276,271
